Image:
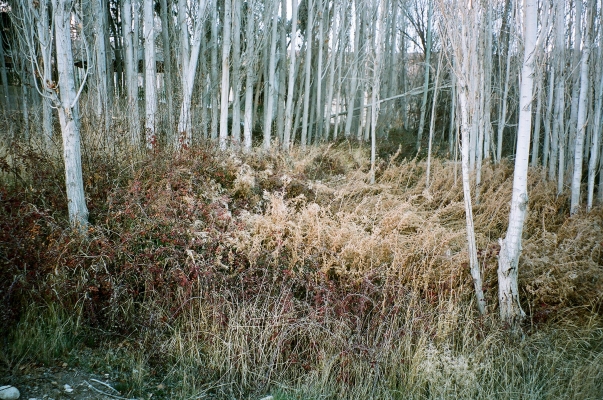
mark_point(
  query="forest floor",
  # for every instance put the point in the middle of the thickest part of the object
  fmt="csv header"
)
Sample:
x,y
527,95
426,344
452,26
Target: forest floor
x,y
222,275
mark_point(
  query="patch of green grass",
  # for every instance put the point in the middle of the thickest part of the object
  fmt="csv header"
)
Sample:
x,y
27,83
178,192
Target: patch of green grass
x,y
44,334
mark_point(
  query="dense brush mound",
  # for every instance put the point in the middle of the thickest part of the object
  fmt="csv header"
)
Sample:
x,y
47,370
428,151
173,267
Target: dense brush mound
x,y
248,273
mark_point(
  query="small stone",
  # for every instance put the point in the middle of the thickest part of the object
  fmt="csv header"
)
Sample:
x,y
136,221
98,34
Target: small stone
x,y
9,393
68,389
267,398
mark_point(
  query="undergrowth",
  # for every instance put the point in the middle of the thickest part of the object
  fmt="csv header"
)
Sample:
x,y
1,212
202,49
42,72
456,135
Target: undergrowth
x,y
233,275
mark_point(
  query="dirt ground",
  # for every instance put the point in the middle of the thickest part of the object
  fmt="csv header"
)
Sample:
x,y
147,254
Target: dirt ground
x,y
61,382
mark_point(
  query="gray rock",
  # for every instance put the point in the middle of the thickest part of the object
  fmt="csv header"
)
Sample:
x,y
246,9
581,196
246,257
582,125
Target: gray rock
x,y
9,393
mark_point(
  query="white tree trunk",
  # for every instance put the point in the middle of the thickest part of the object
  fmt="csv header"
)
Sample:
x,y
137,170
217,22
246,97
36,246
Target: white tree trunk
x,y
68,115
548,121
432,123
291,79
225,84
271,82
236,73
150,77
167,65
131,61
581,119
191,61
215,111
45,42
557,136
353,89
510,248
427,67
595,138
338,15
308,72
102,84
379,35
317,127
250,77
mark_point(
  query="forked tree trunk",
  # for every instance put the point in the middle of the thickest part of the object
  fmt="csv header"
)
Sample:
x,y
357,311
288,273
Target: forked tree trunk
x,y
510,247
190,62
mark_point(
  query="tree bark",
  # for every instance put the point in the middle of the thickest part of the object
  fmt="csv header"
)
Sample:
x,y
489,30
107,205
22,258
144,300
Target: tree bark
x,y
131,60
167,66
581,117
270,93
225,83
236,73
425,77
190,61
250,77
308,72
291,79
68,116
510,248
150,77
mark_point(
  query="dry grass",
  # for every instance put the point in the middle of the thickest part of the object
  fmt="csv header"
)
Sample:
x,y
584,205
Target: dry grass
x,y
234,276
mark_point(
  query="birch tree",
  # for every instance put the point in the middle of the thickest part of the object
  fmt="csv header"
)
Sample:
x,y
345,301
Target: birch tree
x,y
308,72
167,63
150,76
581,117
189,71
376,82
46,44
99,11
250,76
225,84
510,247
464,55
66,102
291,79
596,135
270,93
131,61
426,76
236,73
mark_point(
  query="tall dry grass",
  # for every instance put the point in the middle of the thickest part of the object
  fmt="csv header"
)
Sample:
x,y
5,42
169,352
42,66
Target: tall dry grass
x,y
227,275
